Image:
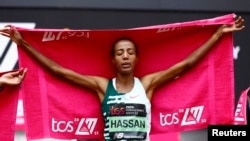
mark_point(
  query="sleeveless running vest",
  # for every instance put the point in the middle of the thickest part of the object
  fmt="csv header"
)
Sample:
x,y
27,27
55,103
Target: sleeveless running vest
x,y
127,116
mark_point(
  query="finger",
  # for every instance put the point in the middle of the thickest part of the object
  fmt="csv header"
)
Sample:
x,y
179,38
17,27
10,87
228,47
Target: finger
x,y
234,15
6,30
15,73
5,34
25,70
8,26
239,20
21,76
22,71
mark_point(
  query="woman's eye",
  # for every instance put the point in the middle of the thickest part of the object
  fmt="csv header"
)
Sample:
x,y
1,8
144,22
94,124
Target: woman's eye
x,y
119,53
131,52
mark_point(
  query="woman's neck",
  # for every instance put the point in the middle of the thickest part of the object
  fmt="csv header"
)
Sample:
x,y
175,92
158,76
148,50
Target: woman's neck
x,y
124,85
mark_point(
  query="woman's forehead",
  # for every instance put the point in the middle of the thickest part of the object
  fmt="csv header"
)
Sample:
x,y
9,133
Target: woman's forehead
x,y
124,43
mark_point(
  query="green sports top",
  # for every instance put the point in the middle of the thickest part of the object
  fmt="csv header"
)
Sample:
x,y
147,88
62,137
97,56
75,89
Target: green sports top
x,y
127,116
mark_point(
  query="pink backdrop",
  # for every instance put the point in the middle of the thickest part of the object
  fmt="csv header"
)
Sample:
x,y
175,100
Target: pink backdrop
x,y
202,96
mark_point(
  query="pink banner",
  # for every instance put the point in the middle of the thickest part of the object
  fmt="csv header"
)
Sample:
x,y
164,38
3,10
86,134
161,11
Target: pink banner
x,y
204,95
8,110
20,126
241,109
170,137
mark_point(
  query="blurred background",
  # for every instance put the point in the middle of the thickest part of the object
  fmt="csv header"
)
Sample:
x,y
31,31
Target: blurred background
x,y
114,14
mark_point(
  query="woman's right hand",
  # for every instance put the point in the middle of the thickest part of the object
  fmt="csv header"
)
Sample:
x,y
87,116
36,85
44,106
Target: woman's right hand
x,y
12,33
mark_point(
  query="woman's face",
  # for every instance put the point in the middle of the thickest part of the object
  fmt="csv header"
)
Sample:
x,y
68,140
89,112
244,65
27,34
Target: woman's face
x,y
125,57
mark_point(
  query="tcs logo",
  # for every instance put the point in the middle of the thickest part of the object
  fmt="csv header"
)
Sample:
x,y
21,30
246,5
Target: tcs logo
x,y
117,110
188,116
83,126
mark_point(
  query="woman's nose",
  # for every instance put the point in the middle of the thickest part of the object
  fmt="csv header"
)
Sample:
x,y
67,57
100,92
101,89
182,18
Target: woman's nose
x,y
125,55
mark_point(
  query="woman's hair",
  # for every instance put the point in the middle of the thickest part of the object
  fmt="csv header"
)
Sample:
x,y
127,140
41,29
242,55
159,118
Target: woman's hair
x,y
121,39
